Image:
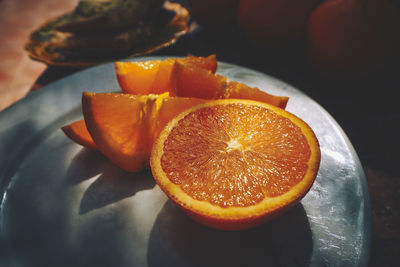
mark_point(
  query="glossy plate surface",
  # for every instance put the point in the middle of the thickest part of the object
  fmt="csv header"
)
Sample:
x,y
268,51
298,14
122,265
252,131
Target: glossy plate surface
x,y
63,205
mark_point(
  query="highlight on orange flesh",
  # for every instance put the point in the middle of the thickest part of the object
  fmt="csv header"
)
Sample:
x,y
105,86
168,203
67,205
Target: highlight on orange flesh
x,y
124,126
136,77
78,133
187,77
191,81
163,80
152,77
233,164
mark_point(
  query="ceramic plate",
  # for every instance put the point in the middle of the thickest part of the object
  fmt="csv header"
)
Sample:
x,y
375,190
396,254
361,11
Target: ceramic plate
x,y
63,205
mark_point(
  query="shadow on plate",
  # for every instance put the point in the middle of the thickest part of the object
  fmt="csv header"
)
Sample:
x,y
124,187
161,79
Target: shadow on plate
x,y
112,185
85,165
176,240
42,226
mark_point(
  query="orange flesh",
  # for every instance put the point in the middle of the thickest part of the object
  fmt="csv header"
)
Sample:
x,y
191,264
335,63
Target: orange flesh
x,y
168,109
119,136
254,154
129,83
162,80
191,81
153,76
237,90
125,126
120,127
207,63
196,82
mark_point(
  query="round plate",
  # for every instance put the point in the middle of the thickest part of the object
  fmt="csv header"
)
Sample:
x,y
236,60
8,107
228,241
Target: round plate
x,y
63,205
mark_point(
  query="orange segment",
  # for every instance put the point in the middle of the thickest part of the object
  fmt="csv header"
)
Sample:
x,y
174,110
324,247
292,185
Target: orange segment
x,y
117,124
136,77
191,81
233,164
152,77
163,81
243,91
208,63
125,126
78,133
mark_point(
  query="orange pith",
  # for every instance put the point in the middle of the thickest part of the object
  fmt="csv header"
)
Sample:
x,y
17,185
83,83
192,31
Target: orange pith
x,y
232,164
78,132
153,76
124,126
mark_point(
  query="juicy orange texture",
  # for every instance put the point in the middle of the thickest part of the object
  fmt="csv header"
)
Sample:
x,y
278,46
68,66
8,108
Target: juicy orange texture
x,y
153,76
233,164
187,77
124,126
190,81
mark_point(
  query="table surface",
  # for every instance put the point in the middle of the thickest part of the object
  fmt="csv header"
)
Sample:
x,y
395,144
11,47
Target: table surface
x,y
366,108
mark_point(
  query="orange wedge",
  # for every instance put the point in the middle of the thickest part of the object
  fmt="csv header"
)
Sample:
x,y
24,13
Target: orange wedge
x,y
136,77
233,164
191,81
124,126
187,77
78,133
152,77
242,91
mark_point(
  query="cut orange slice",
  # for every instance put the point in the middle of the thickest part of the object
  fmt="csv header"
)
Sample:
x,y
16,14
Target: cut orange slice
x,y
78,133
234,164
124,126
152,77
191,81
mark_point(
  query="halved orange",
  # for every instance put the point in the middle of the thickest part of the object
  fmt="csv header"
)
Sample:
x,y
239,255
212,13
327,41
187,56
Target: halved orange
x,y
191,81
152,77
234,164
124,126
78,133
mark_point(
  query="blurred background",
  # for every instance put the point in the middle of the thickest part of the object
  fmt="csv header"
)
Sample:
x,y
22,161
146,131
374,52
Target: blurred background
x,y
342,53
